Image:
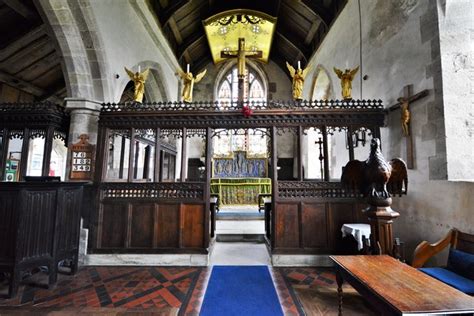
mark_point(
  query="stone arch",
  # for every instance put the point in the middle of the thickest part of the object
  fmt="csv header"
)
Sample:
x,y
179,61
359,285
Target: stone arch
x,y
156,87
322,88
228,65
73,27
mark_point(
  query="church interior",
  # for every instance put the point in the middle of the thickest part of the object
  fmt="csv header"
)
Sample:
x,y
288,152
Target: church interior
x,y
202,157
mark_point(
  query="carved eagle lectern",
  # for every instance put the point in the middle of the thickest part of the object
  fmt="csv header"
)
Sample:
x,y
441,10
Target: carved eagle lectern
x,y
376,177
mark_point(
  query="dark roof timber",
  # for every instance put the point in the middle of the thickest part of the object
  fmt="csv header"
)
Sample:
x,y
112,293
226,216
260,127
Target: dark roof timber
x,y
301,26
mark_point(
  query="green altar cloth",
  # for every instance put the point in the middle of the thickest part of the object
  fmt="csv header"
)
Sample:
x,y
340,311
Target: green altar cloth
x,y
234,191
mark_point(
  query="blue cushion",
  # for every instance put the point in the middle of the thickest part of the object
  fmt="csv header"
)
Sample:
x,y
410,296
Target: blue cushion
x,y
455,280
461,263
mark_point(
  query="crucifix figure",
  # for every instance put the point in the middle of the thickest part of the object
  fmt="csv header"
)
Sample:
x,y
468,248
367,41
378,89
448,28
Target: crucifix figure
x,y
403,104
241,54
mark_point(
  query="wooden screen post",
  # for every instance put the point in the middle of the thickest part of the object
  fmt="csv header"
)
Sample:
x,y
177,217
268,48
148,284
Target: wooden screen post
x,y
156,177
300,153
184,155
4,152
131,155
24,153
273,131
48,147
325,153
350,143
207,190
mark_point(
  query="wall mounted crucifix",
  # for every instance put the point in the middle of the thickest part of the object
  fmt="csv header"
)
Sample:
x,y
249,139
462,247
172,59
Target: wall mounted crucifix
x,y
404,105
241,54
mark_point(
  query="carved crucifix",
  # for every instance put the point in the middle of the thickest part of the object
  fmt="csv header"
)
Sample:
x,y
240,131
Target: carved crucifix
x,y
241,54
404,105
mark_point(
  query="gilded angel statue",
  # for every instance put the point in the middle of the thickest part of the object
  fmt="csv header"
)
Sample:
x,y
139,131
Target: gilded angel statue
x,y
346,81
188,83
298,76
138,79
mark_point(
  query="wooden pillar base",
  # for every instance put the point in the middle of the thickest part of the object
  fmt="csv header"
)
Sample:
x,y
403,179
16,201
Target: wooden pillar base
x,y
381,218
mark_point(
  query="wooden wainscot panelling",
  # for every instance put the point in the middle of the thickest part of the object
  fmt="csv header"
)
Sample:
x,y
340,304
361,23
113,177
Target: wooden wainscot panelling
x,y
40,224
113,225
287,225
68,230
142,225
167,226
314,225
8,224
192,225
340,213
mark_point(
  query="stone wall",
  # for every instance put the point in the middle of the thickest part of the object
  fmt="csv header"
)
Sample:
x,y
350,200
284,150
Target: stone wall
x,y
130,38
397,43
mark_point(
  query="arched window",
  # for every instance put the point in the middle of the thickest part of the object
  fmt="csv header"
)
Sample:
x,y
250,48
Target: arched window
x,y
253,87
253,142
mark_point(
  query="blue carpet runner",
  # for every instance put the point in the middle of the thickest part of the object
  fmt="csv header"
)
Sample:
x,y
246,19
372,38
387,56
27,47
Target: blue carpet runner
x,y
241,290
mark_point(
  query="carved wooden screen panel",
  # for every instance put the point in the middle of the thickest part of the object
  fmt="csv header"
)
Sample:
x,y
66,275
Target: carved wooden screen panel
x,y
167,226
142,225
287,225
113,225
192,225
314,222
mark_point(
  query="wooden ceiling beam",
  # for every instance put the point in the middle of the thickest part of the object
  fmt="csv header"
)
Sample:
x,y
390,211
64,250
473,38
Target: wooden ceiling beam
x,y
22,42
53,94
189,42
171,9
21,9
285,34
25,86
174,28
322,12
312,32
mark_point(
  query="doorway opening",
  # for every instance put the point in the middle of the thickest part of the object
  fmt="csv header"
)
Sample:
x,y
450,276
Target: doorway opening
x,y
239,181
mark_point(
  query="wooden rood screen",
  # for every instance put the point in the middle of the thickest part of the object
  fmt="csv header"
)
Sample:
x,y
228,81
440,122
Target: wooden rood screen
x,y
147,204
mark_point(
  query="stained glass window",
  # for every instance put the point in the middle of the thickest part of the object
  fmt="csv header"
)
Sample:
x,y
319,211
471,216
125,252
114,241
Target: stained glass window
x,y
229,90
253,142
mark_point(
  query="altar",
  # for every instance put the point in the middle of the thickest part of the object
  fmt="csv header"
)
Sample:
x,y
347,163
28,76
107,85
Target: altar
x,y
239,176
235,191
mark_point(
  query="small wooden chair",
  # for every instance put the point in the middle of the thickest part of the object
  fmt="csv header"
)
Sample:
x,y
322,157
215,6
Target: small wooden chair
x,y
459,272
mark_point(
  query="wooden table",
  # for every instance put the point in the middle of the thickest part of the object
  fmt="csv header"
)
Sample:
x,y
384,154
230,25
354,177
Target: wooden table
x,y
394,288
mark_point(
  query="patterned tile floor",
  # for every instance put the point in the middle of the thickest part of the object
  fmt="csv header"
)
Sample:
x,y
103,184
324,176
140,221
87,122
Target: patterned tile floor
x,y
149,290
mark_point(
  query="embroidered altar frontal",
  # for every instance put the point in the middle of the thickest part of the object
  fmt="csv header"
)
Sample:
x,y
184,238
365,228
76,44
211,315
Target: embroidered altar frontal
x,y
234,191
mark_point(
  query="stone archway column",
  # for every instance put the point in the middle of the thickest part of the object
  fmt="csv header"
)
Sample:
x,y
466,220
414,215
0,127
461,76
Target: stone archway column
x,y
84,120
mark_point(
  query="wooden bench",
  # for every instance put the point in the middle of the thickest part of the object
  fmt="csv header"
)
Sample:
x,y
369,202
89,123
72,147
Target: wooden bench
x,y
458,273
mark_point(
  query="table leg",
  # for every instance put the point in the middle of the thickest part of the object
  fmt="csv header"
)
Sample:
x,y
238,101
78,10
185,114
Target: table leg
x,y
339,281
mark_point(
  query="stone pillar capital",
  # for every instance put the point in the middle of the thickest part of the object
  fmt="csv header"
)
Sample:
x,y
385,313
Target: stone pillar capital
x,y
73,104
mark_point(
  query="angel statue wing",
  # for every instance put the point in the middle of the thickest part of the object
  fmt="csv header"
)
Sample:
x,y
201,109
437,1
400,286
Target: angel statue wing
x,y
339,72
200,75
291,69
354,71
305,71
130,73
398,182
145,73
